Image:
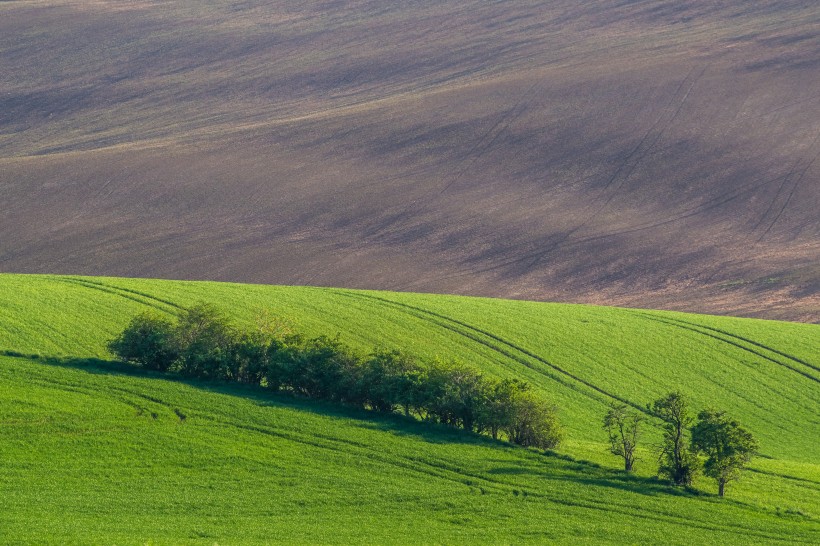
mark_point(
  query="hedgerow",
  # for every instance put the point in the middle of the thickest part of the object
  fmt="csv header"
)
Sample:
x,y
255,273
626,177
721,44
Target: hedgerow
x,y
204,344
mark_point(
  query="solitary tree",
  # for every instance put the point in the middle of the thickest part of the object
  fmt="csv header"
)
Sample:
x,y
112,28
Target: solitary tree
x,y
676,461
624,429
727,446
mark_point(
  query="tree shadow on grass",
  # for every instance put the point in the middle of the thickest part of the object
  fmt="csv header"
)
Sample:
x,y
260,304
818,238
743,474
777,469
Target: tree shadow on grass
x,y
392,422
548,464
566,468
636,484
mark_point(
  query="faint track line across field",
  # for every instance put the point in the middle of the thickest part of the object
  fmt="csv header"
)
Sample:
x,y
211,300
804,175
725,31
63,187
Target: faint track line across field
x,y
747,340
499,345
432,467
483,144
445,470
785,181
711,204
691,212
706,206
90,391
739,342
801,482
491,136
797,183
755,343
134,295
647,143
486,141
664,125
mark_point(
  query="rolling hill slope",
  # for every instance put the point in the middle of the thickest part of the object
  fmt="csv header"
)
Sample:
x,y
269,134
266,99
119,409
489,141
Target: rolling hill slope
x,y
643,153
93,451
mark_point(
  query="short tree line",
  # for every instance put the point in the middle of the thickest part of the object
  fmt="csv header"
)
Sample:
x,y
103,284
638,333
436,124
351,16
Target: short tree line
x,y
725,444
203,343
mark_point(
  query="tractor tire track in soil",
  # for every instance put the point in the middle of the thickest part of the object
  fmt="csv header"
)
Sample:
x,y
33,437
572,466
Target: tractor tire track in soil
x,y
626,165
783,184
683,215
702,208
486,141
506,120
634,158
791,193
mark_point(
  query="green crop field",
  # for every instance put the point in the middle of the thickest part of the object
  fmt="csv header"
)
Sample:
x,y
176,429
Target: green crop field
x,y
93,451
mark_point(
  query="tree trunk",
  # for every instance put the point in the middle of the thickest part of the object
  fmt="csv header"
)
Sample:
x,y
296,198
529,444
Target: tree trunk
x,y
721,484
628,464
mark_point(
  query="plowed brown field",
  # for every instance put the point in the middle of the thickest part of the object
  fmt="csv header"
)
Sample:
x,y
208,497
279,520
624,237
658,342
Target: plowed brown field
x,y
647,153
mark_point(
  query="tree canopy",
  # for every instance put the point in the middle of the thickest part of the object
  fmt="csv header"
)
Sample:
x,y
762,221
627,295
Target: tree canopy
x,y
677,461
624,429
727,445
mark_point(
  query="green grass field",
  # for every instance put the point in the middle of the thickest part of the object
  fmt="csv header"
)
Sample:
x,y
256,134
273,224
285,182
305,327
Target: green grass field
x,y
92,451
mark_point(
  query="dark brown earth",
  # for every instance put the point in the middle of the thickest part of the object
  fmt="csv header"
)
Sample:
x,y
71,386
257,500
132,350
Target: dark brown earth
x,y
645,153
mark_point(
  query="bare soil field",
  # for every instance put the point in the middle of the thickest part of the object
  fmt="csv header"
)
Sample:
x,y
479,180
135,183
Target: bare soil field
x,y
647,153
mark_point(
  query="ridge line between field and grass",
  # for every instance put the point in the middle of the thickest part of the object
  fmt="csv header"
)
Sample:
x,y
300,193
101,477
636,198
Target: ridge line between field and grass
x,y
698,330
420,313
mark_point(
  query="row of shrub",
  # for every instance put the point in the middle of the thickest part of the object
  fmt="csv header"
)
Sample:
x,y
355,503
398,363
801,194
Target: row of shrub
x,y
203,343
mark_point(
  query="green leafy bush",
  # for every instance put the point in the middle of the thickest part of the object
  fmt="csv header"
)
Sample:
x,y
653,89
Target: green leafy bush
x,y
149,341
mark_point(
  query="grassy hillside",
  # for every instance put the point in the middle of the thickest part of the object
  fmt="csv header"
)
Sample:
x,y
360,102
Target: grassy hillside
x,y
634,153
93,451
